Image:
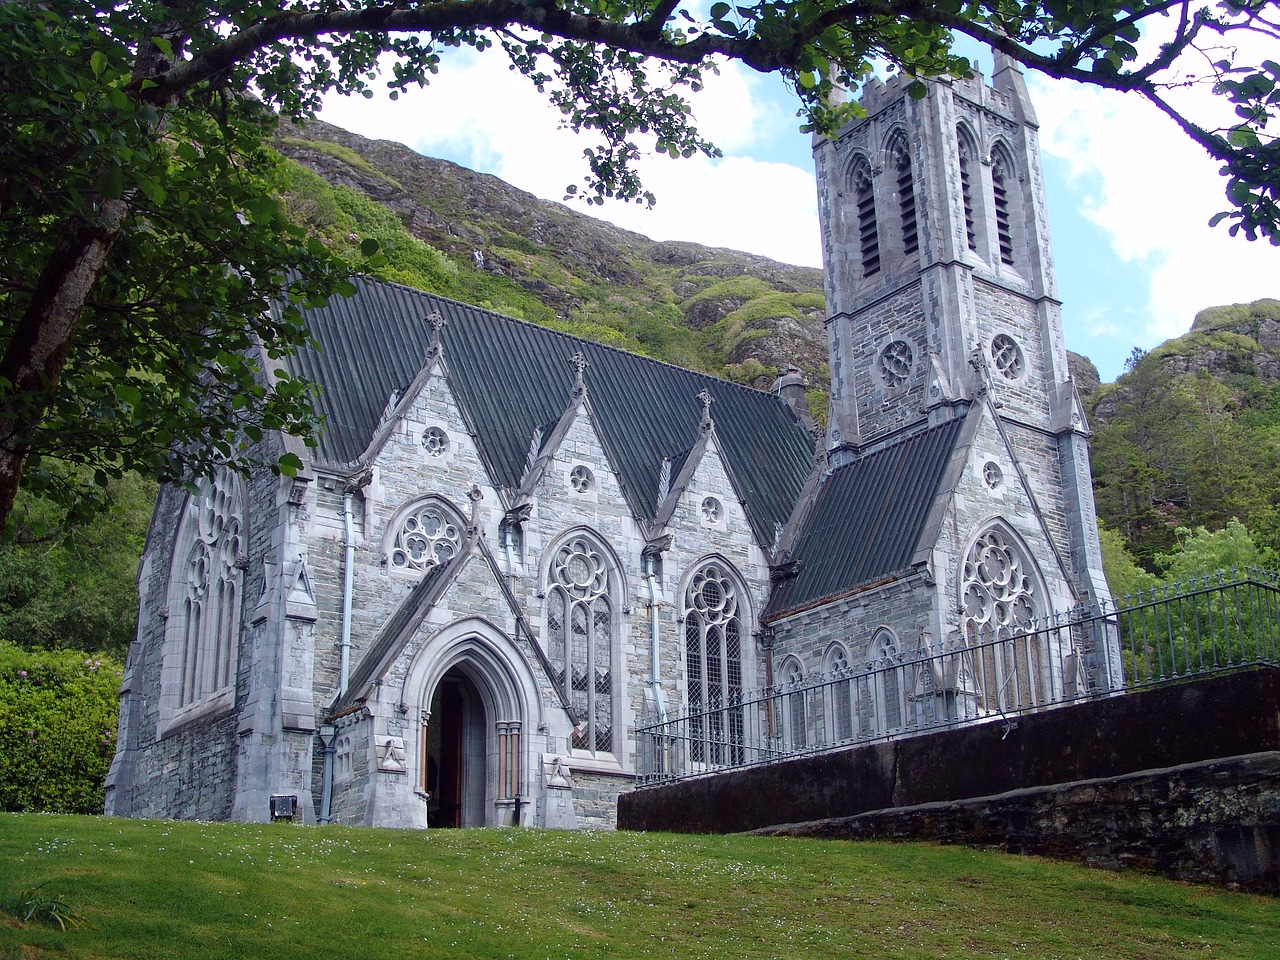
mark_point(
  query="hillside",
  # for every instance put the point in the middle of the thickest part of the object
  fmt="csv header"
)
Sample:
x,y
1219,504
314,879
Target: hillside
x,y
722,311
285,891
1190,434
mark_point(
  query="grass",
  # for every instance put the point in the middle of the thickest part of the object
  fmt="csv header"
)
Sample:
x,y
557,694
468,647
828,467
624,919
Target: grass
x,y
149,889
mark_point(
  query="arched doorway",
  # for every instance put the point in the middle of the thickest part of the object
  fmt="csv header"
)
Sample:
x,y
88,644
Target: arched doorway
x,y
454,735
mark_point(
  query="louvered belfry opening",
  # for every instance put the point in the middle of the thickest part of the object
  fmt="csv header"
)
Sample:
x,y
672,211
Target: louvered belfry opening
x,y
906,198
966,188
868,230
1004,231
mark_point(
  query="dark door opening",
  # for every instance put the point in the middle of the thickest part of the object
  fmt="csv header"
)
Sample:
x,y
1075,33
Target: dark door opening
x,y
455,754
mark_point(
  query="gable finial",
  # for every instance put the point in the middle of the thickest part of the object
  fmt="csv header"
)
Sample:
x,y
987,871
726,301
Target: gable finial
x,y
436,322
706,399
579,364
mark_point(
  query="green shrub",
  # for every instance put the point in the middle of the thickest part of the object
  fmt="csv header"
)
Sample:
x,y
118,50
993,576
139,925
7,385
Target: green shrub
x,y
57,728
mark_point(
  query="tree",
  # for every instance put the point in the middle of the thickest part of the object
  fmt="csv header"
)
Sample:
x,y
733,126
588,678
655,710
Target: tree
x,y
72,585
57,728
140,249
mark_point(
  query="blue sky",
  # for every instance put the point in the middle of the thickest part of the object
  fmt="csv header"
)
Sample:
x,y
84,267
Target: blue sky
x,y
1129,196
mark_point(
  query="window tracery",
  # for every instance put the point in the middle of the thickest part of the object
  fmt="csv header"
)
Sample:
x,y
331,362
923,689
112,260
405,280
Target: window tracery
x,y
791,679
997,591
713,661
579,638
209,578
435,441
429,535
835,664
895,363
1007,356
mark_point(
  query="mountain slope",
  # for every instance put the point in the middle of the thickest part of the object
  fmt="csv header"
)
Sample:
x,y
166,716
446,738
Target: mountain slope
x,y
717,310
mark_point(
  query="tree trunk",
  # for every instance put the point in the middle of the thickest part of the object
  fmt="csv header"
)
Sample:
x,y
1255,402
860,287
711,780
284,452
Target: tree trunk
x,y
37,352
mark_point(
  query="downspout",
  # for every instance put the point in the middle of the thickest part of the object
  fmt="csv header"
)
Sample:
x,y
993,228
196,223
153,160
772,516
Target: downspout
x,y
659,702
507,536
348,574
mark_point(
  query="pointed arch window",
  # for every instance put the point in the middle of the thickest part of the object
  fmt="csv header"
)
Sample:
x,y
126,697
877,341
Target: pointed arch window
x,y
1003,183
580,625
887,681
206,587
794,712
900,154
1001,602
968,160
839,692
864,198
713,631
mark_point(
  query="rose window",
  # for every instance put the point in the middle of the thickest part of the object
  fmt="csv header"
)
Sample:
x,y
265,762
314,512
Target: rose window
x,y
713,596
435,440
581,570
895,363
429,536
1007,356
712,511
997,595
992,474
581,479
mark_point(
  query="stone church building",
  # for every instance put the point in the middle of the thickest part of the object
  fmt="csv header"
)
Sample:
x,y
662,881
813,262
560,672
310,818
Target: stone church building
x,y
511,547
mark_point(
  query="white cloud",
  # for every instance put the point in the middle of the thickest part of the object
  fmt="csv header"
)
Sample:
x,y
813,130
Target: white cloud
x,y
1152,191
491,119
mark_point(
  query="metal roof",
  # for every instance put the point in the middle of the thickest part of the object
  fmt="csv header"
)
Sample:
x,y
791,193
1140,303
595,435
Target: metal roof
x,y
866,521
511,377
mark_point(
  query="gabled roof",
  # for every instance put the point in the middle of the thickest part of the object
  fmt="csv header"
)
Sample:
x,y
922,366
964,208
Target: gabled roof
x,y
867,521
398,628
511,377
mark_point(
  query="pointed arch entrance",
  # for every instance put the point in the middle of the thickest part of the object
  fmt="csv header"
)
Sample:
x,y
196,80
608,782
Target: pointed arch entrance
x,y
454,734
476,698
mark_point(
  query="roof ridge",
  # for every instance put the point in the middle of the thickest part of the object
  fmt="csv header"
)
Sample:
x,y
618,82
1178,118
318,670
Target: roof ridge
x,y
570,336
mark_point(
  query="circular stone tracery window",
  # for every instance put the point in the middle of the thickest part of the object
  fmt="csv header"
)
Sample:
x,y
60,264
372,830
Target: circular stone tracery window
x,y
580,568
1007,356
582,479
895,363
712,511
997,591
428,536
992,474
435,440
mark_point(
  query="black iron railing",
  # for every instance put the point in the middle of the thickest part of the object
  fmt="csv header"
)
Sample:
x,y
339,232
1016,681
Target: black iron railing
x,y
1223,621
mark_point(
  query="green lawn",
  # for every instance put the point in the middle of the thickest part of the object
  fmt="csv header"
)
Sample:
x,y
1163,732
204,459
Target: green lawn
x,y
149,889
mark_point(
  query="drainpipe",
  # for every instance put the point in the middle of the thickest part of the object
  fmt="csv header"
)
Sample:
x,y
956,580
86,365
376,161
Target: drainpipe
x,y
344,645
659,702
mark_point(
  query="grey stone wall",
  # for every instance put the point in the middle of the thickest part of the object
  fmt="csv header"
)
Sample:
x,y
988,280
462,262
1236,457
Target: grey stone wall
x,y
1217,821
1110,737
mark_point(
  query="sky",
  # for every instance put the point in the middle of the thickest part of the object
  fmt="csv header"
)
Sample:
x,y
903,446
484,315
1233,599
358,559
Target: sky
x,y
1129,195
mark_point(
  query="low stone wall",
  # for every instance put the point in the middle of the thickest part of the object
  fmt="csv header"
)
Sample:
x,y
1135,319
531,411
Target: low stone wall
x,y
1151,732
1212,822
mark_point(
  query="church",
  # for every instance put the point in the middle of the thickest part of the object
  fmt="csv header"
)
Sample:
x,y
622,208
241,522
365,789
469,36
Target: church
x,y
511,548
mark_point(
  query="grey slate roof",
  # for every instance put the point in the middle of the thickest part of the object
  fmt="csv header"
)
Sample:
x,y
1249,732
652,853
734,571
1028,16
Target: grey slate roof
x,y
511,377
867,520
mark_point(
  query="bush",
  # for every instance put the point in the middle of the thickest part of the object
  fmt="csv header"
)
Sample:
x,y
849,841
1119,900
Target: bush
x,y
57,728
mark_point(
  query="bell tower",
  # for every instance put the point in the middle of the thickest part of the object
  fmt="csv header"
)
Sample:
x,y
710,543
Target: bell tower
x,y
941,293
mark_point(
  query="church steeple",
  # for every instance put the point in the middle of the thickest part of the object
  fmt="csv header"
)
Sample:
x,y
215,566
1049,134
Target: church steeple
x,y
941,292
935,242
